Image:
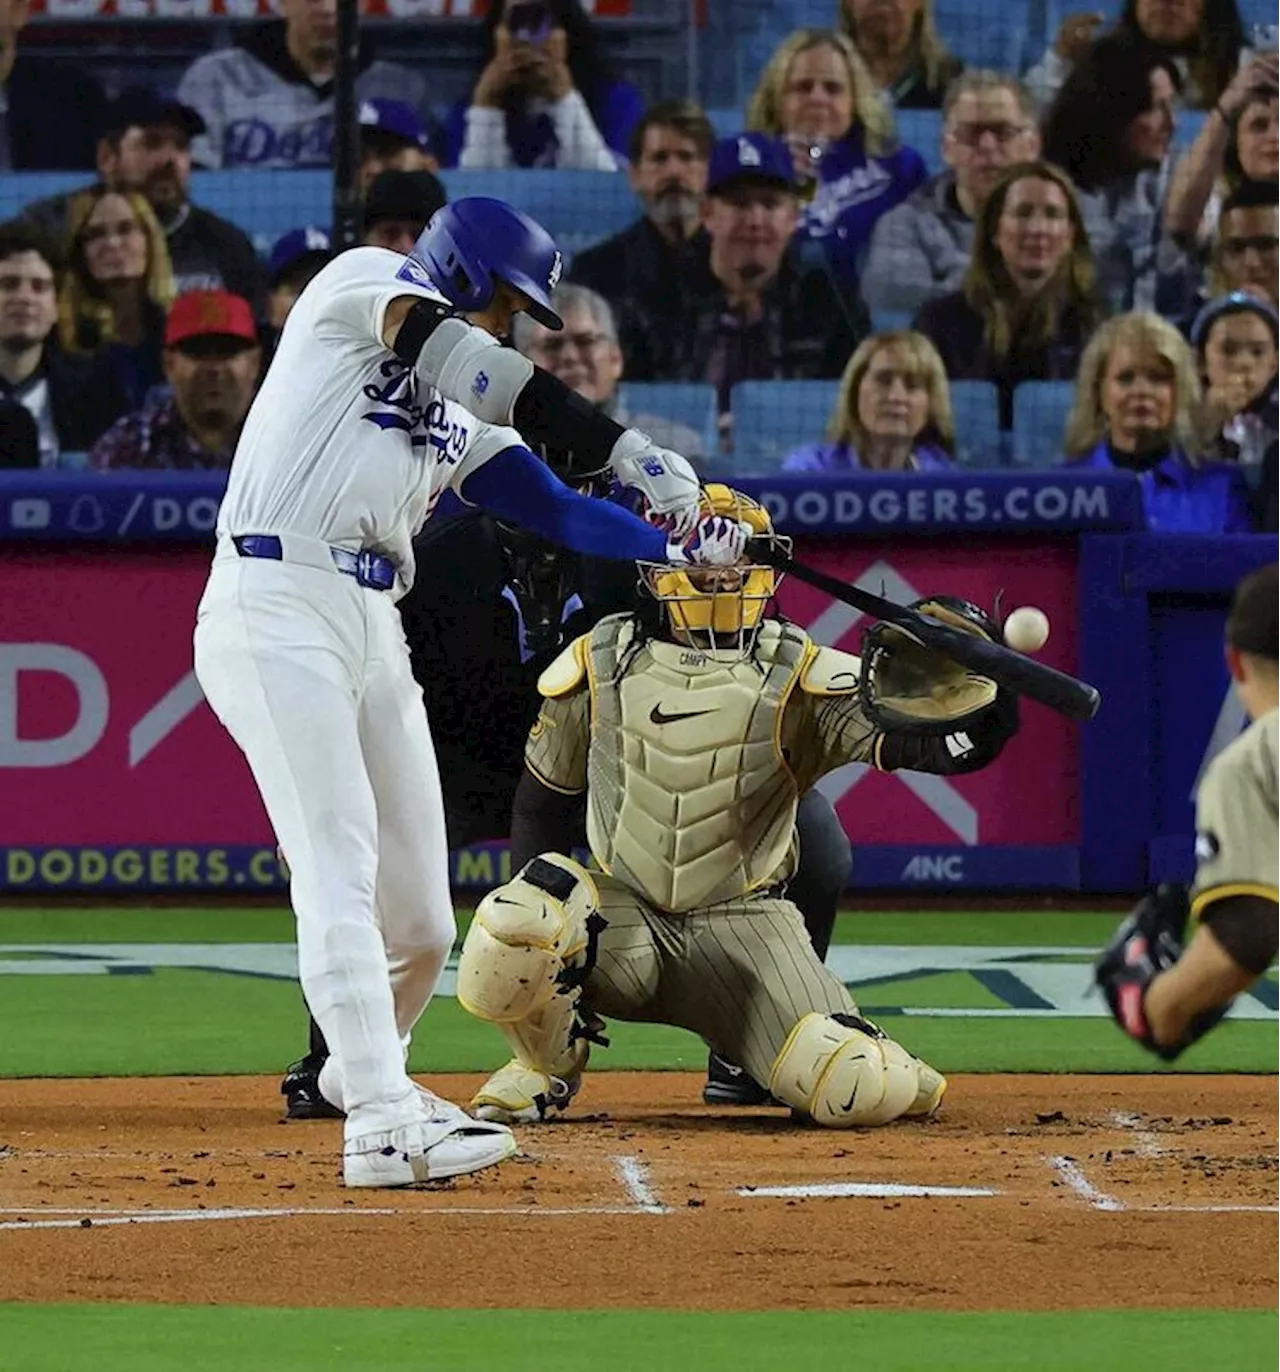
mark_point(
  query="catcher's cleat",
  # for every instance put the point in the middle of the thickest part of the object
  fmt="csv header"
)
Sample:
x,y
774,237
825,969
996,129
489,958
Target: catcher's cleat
x,y
933,1086
728,1084
517,1094
301,1090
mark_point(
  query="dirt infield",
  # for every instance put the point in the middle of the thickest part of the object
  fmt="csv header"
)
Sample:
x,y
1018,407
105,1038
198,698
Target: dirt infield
x,y
1060,1193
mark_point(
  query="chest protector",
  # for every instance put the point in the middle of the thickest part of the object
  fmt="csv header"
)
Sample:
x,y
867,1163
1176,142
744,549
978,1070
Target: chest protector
x,y
691,801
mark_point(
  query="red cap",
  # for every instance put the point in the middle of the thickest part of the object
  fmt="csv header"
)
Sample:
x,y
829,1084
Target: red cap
x,y
199,314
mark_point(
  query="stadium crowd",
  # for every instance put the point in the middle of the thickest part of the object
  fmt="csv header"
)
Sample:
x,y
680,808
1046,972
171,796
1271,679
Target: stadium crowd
x,y
1069,265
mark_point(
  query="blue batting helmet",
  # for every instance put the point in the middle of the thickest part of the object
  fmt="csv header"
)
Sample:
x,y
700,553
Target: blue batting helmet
x,y
473,242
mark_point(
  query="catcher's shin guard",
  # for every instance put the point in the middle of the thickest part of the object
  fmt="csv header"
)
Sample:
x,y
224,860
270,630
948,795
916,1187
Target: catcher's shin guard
x,y
842,1071
530,947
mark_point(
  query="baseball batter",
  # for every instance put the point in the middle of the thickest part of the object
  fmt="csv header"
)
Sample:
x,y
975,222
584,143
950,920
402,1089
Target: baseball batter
x,y
693,736
1162,996
388,386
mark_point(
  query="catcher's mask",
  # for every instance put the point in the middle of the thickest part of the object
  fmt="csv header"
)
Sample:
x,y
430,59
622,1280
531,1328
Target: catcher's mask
x,y
718,607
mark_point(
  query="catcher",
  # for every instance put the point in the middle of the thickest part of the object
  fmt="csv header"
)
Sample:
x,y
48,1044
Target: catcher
x,y
1166,997
693,730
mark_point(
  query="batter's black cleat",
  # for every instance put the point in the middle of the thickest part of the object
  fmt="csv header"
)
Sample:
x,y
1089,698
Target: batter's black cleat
x,y
728,1084
301,1090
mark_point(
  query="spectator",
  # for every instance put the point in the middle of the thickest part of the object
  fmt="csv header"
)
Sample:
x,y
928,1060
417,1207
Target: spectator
x,y
118,286
146,147
587,358
755,313
398,207
1027,306
920,249
267,101
898,41
70,400
816,94
394,137
1136,404
1205,38
296,257
650,260
545,97
1245,257
213,363
1235,338
893,413
1110,129
49,113
1238,143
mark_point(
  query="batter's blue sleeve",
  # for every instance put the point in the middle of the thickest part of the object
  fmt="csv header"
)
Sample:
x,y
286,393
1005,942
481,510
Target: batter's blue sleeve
x,y
516,487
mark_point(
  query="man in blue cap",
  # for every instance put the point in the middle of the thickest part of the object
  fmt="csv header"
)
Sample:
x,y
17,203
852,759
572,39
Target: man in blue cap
x,y
394,137
296,258
753,313
389,386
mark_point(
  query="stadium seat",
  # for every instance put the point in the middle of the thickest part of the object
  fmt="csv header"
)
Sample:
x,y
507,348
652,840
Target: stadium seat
x,y
770,418
727,121
1187,129
1040,410
976,408
985,33
688,403
887,321
922,130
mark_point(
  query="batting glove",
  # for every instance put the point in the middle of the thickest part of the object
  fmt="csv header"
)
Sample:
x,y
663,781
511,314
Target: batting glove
x,y
661,485
716,541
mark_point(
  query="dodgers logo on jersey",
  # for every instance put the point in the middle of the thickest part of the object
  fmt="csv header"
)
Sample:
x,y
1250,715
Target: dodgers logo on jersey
x,y
397,408
414,271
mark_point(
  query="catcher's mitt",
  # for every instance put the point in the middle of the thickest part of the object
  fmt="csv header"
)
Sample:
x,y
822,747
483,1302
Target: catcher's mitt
x,y
909,688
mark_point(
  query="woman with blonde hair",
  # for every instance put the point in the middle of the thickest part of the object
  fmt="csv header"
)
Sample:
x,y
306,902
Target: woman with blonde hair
x,y
1137,409
818,96
893,412
1027,304
119,285
898,40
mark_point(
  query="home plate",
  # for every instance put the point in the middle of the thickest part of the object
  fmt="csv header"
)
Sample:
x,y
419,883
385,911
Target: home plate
x,y
880,1189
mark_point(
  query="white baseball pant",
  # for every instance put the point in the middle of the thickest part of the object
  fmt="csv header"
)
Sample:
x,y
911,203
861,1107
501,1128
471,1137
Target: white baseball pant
x,y
309,672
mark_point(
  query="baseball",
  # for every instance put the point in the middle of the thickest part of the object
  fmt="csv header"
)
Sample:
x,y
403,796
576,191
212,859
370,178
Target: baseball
x,y
1027,629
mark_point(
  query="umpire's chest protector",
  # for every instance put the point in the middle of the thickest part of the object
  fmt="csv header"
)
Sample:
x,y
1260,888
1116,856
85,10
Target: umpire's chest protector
x,y
691,799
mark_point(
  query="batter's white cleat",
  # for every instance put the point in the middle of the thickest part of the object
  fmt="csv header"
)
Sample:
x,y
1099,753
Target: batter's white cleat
x,y
330,1084
517,1094
444,1143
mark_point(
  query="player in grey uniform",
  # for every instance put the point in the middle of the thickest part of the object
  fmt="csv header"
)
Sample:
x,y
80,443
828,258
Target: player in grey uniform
x,y
1166,997
693,738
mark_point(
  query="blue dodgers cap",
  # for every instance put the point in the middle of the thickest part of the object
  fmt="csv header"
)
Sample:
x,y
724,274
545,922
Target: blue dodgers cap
x,y
397,118
750,157
289,247
1238,302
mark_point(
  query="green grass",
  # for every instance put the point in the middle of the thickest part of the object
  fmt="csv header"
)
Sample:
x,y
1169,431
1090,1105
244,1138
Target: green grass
x,y
103,1338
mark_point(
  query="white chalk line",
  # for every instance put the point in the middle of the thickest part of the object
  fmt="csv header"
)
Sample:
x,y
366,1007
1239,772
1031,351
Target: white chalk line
x,y
880,1190
106,1218
1071,1173
634,1176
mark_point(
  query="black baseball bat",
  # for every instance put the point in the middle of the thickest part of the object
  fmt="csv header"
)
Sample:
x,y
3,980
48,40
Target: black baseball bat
x,y
1066,694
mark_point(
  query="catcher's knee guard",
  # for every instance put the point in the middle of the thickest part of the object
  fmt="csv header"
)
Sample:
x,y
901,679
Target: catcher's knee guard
x,y
530,947
844,1072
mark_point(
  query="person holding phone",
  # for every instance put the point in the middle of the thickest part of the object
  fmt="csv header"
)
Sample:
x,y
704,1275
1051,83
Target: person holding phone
x,y
544,98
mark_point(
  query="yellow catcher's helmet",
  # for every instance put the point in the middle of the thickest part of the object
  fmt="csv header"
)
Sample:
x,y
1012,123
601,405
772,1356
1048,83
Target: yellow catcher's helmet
x,y
718,602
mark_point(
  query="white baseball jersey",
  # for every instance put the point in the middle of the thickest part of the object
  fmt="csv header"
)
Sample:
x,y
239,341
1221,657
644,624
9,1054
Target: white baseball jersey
x,y
342,443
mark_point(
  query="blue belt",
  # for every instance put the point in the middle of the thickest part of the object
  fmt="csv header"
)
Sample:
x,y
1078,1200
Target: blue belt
x,y
369,568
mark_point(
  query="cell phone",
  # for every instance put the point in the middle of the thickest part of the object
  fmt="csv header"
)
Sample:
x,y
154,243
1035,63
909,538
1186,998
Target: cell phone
x,y
530,21
1266,37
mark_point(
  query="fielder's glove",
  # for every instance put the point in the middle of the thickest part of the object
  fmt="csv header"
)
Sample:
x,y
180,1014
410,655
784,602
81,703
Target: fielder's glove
x,y
658,483
716,541
1147,943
